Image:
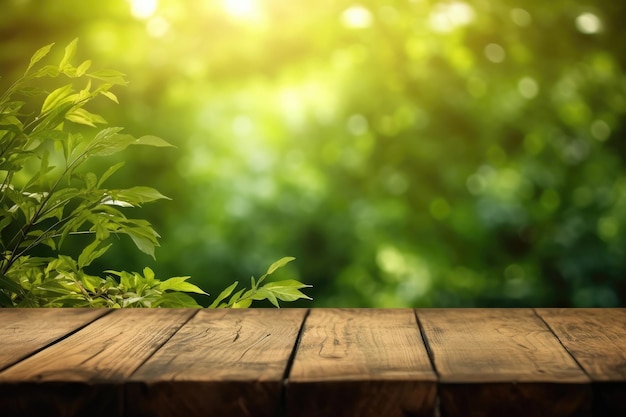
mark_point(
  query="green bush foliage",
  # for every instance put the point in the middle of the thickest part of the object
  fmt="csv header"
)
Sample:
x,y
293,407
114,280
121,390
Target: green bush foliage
x,y
408,153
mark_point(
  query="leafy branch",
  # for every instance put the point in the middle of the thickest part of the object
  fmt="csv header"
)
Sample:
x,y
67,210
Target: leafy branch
x,y
287,290
41,204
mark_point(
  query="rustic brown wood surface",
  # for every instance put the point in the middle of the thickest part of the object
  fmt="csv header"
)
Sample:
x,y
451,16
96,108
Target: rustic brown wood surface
x,y
26,331
221,363
82,374
361,363
596,338
502,362
317,362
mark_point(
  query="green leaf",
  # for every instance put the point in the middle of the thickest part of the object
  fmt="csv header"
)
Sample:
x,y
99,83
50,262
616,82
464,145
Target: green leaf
x,y
100,226
70,300
70,50
110,171
110,76
137,195
110,144
235,297
152,141
83,117
287,290
110,96
148,274
90,180
279,264
5,300
56,98
8,284
224,294
6,218
39,55
30,91
106,134
265,294
47,71
91,283
175,300
141,240
180,284
82,68
91,252
242,304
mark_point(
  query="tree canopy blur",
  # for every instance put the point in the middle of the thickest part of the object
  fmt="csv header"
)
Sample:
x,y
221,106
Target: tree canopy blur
x,y
406,152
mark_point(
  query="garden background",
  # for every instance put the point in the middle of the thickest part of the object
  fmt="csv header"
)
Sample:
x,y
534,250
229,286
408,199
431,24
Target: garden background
x,y
407,153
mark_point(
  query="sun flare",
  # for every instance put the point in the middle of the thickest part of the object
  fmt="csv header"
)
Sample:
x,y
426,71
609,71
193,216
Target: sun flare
x,y
143,9
243,9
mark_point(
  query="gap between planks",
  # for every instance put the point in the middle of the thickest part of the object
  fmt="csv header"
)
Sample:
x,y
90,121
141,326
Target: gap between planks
x,y
582,368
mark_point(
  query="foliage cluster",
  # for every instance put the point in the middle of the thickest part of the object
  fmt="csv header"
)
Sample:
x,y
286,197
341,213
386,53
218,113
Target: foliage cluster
x,y
46,198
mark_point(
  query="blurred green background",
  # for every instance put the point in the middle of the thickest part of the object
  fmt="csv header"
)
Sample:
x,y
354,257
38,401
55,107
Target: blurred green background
x,y
407,153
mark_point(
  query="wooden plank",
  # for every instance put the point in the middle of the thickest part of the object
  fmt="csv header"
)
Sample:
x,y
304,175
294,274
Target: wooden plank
x,y
83,374
222,363
597,340
361,362
24,331
502,362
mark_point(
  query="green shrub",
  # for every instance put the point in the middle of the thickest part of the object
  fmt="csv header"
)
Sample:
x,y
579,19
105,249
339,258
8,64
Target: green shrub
x,y
48,195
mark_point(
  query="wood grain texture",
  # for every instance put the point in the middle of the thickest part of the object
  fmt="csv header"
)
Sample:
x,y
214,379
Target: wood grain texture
x,y
25,331
361,362
221,363
597,339
498,362
84,373
349,362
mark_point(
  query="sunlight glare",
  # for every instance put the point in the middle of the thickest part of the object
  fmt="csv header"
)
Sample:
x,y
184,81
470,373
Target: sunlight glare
x,y
242,9
143,9
448,16
356,17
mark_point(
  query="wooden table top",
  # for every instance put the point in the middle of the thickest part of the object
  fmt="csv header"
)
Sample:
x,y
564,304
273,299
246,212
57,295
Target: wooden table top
x,y
317,362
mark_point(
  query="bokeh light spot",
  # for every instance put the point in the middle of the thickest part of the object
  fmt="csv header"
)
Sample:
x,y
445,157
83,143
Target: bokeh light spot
x,y
520,17
495,53
448,16
242,9
389,15
242,126
356,17
157,27
397,183
608,228
475,184
357,124
528,87
514,271
143,9
588,23
600,130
